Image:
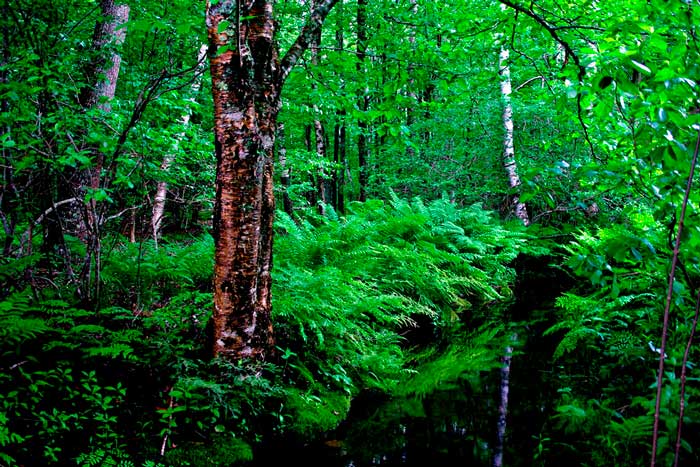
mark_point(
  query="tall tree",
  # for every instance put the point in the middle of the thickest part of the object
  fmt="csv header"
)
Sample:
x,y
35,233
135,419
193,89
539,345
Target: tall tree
x,y
509,163
511,169
162,187
363,100
247,77
322,180
102,74
339,160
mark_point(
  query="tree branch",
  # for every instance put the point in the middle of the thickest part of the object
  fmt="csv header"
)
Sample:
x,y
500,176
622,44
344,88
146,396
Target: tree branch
x,y
669,299
313,24
552,30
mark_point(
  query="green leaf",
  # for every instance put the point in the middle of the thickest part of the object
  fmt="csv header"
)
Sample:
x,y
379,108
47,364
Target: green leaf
x,y
641,67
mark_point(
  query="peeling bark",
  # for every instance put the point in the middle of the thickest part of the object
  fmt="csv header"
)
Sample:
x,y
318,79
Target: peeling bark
x,y
247,76
509,163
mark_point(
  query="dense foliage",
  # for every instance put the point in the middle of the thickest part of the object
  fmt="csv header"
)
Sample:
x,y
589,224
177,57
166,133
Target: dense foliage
x,y
401,273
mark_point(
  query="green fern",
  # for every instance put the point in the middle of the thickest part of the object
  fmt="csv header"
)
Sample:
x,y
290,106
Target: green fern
x,y
348,287
596,321
460,361
632,429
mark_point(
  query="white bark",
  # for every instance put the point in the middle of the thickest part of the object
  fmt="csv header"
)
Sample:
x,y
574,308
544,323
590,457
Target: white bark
x,y
162,188
511,168
509,163
503,405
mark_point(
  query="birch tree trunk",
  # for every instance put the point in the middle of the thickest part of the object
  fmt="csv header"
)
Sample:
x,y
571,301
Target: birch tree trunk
x,y
162,187
247,77
511,169
322,181
509,163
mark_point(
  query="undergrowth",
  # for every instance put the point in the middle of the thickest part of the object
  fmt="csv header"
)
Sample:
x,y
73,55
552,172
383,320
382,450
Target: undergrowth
x,y
401,298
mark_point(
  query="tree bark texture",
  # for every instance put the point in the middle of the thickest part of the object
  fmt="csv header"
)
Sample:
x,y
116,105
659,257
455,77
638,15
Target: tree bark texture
x,y
509,163
247,76
104,71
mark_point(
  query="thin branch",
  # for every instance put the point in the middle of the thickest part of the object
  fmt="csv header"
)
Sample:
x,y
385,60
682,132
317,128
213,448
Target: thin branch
x,y
25,235
119,214
541,78
684,366
578,26
552,30
313,24
669,298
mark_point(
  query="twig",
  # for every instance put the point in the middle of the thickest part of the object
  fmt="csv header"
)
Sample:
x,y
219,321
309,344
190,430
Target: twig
x,y
669,298
27,233
165,437
681,409
541,78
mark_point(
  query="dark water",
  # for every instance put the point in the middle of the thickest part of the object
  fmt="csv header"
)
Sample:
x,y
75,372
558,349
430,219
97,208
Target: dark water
x,y
449,428
456,426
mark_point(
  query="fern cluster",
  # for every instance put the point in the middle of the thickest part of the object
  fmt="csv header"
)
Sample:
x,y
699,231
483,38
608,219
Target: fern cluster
x,y
358,302
353,294
607,331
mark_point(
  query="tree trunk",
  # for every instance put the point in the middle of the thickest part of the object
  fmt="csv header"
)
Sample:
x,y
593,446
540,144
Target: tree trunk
x,y
162,188
509,163
247,76
322,181
285,177
511,169
410,71
338,182
103,72
340,163
362,144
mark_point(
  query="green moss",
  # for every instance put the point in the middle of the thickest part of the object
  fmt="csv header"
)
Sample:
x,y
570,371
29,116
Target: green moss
x,y
221,451
309,413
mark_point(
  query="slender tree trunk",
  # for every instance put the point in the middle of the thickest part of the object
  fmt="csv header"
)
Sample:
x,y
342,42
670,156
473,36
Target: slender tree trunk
x,y
362,137
247,76
339,158
162,187
509,163
104,72
285,177
322,181
8,192
511,170
338,182
311,195
413,96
